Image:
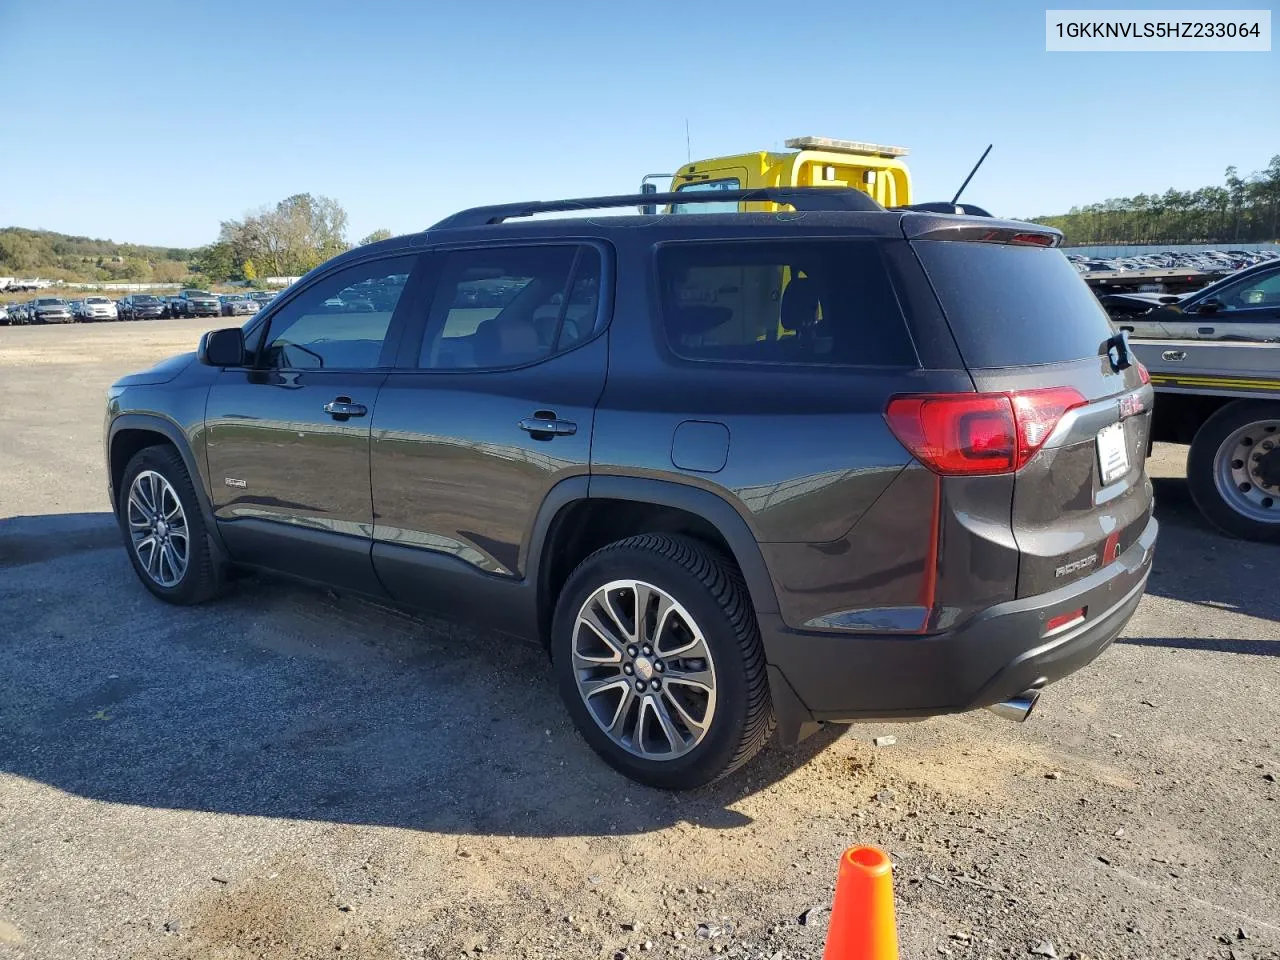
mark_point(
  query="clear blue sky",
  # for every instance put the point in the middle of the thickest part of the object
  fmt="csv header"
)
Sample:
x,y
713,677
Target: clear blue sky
x,y
122,117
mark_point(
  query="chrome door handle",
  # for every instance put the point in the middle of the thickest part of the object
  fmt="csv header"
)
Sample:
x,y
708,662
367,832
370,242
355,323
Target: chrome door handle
x,y
544,426
341,408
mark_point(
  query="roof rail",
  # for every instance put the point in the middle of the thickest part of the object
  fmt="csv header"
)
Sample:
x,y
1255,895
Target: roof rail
x,y
801,198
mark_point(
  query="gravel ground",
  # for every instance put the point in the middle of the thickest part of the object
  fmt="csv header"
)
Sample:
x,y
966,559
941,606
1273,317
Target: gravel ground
x,y
288,773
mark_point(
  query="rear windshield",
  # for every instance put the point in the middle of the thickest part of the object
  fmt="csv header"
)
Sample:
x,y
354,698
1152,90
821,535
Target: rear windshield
x,y
782,301
1012,306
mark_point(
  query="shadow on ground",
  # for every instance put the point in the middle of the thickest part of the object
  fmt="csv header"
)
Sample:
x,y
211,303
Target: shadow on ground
x,y
1198,564
287,701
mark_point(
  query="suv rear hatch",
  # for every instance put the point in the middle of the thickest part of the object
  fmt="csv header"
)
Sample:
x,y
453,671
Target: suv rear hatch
x,y
1028,328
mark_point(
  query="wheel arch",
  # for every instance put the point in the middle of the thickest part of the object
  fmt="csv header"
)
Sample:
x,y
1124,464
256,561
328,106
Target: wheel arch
x,y
581,514
132,432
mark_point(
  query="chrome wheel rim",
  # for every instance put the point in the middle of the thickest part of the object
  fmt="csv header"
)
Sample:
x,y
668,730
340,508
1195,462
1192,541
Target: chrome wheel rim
x,y
158,528
644,670
1247,471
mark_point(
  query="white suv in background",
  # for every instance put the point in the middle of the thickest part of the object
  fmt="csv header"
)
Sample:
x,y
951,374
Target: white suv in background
x,y
98,308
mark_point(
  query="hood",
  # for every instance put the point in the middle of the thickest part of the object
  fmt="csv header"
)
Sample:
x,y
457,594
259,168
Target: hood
x,y
162,372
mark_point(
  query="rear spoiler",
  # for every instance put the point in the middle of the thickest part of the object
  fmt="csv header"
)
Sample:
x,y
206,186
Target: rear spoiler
x,y
946,206
919,225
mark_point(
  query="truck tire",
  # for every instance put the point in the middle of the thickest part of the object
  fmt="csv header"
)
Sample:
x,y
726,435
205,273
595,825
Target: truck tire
x,y
677,696
1233,470
164,529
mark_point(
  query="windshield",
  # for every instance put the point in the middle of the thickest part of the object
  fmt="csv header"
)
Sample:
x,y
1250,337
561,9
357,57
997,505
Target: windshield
x,y
728,206
51,302
144,299
96,300
199,293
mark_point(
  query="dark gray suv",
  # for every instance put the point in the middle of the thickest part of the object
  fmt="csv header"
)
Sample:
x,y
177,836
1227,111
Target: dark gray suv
x,y
738,472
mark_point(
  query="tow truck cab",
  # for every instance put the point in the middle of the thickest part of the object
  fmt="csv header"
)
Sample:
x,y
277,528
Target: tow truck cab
x,y
875,169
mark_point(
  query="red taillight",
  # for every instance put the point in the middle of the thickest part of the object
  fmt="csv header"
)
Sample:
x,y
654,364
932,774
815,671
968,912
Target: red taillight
x,y
1143,373
959,434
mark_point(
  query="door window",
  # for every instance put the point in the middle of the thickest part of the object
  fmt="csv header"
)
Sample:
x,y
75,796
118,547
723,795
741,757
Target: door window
x,y
1253,293
502,307
340,322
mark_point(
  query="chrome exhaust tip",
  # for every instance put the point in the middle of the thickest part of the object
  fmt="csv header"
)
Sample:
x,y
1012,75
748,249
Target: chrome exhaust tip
x,y
1016,708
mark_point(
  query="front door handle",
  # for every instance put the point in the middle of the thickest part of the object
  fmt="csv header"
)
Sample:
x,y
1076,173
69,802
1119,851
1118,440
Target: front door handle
x,y
544,425
342,408
1204,330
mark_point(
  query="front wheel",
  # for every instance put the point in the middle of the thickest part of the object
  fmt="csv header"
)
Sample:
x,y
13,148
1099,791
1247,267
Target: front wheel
x,y
1233,470
164,529
659,660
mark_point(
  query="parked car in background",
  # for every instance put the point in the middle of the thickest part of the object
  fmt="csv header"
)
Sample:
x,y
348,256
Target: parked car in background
x,y
239,307
195,303
262,297
51,310
97,308
77,309
4,315
1242,306
16,312
143,306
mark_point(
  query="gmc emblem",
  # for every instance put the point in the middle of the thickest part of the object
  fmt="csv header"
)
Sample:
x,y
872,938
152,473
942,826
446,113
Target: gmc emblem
x,y
1131,404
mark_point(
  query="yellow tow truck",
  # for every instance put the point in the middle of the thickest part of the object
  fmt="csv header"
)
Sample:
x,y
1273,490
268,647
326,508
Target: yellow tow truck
x,y
875,169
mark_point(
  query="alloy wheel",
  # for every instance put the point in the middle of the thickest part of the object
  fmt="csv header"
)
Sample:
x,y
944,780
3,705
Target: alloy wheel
x,y
158,528
644,670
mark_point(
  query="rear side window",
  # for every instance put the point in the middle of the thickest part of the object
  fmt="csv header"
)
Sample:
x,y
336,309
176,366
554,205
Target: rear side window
x,y
1012,306
499,307
787,301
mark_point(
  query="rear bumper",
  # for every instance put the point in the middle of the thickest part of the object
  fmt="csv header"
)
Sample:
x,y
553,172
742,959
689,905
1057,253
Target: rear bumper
x,y
843,677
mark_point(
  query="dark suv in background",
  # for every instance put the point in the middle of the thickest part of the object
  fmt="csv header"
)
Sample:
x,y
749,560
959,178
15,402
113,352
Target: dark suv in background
x,y
735,471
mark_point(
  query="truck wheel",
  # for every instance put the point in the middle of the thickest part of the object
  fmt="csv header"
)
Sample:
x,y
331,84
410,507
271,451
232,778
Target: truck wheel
x,y
659,660
164,530
1233,470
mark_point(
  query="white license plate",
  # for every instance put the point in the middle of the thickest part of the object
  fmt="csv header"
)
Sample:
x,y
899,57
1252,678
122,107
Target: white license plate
x,y
1113,457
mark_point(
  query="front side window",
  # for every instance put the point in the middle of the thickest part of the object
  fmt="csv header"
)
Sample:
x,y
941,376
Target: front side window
x,y
729,206
790,301
507,306
1256,291
339,322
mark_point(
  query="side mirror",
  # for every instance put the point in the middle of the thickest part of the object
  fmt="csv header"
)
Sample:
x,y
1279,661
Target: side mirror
x,y
222,348
1212,305
649,209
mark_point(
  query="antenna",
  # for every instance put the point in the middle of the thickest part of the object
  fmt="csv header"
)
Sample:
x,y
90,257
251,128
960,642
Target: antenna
x,y
688,147
971,173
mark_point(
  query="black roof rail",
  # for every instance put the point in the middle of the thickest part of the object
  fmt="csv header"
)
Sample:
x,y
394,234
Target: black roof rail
x,y
802,198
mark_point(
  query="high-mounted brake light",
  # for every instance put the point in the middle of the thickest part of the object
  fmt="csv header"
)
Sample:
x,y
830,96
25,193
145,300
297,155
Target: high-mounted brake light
x,y
965,434
1033,239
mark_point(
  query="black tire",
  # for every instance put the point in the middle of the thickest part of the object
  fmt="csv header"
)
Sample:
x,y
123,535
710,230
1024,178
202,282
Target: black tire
x,y
711,589
1202,465
202,579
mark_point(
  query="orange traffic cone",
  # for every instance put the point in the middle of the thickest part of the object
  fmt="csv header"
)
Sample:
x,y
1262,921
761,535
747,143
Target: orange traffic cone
x,y
862,923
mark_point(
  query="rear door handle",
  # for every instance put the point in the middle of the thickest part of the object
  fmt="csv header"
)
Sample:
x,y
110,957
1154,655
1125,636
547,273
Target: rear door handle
x,y
342,408
544,425
1204,330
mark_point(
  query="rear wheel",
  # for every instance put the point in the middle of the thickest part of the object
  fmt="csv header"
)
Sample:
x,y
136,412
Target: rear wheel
x,y
1233,470
164,529
659,661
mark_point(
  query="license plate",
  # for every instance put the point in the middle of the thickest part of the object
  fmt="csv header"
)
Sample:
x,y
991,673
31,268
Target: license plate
x,y
1113,456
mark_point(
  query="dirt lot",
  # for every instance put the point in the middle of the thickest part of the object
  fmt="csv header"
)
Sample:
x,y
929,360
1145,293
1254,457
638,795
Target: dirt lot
x,y
286,773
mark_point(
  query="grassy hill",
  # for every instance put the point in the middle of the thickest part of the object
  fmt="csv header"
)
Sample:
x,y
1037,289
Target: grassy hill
x,y
59,256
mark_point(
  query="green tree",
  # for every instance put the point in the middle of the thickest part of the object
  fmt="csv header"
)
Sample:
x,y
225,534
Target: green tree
x,y
217,260
382,233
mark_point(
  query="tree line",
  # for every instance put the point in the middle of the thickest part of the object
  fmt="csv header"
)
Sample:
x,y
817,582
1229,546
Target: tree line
x,y
284,240
1245,209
